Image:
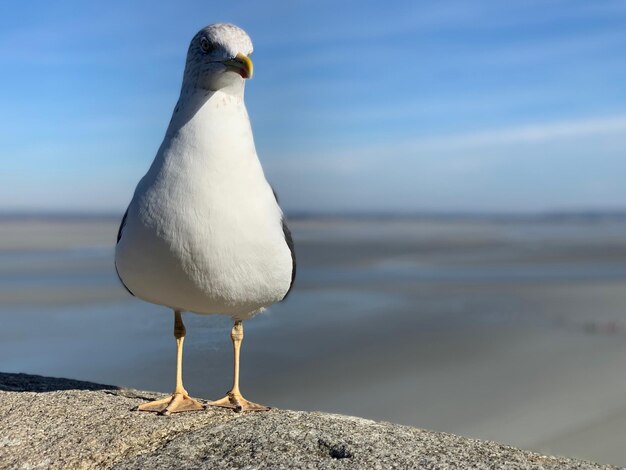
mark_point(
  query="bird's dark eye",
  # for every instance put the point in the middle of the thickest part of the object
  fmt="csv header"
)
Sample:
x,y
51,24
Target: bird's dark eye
x,y
206,45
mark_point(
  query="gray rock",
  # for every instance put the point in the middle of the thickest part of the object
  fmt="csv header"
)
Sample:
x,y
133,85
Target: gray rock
x,y
59,423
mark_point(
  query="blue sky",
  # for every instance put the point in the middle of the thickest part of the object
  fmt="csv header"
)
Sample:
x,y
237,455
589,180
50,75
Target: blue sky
x,y
384,106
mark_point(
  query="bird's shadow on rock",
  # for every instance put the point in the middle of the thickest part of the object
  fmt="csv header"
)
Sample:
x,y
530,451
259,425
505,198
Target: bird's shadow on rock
x,y
38,383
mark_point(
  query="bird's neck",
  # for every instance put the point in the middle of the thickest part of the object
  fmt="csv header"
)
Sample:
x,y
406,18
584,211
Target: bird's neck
x,y
210,125
197,103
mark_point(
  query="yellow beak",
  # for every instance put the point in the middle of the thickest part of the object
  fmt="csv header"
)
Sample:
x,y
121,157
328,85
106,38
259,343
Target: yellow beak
x,y
242,64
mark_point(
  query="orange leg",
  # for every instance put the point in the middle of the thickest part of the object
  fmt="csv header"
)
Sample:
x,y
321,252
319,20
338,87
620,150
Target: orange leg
x,y
179,400
233,399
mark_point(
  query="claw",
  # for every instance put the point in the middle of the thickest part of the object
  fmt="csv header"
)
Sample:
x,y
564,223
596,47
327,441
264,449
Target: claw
x,y
236,402
177,403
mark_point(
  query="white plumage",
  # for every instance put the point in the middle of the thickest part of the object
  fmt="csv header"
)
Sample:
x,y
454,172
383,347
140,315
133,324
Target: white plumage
x,y
204,232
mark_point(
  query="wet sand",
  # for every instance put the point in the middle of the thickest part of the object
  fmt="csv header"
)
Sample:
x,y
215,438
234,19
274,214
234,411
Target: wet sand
x,y
511,330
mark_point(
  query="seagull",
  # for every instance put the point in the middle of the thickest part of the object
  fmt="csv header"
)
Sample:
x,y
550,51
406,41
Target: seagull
x,y
204,232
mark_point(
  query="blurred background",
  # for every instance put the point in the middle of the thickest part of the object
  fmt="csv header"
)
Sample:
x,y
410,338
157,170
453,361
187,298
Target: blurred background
x,y
453,173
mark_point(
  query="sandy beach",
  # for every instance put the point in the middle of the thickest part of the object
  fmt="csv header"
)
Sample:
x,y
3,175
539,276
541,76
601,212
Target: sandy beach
x,y
508,329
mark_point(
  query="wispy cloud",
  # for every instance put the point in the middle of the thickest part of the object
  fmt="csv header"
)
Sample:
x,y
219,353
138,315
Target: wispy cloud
x,y
528,133
350,159
565,164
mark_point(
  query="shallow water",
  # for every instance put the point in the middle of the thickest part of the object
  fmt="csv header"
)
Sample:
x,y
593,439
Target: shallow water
x,y
512,330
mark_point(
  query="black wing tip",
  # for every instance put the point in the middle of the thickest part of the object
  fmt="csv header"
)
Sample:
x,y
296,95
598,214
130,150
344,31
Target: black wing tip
x,y
119,237
122,225
122,282
290,244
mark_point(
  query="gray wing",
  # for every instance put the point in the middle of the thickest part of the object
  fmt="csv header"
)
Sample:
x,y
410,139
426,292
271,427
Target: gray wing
x,y
289,241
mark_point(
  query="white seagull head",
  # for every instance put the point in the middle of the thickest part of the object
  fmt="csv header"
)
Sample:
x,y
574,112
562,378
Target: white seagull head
x,y
218,58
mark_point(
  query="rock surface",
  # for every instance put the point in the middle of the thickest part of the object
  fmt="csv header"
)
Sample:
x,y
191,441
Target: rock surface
x,y
59,423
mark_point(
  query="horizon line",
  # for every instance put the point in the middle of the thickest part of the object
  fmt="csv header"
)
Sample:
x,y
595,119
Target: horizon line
x,y
581,213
